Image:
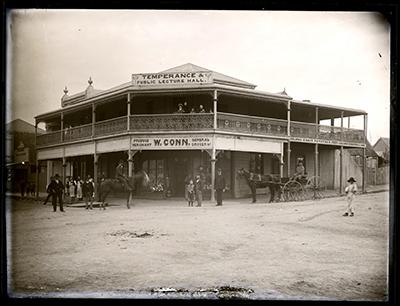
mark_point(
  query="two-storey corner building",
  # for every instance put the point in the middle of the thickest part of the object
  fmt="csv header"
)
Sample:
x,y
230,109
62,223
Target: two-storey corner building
x,y
240,127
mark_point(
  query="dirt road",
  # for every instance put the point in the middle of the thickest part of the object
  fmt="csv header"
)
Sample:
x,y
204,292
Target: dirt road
x,y
281,250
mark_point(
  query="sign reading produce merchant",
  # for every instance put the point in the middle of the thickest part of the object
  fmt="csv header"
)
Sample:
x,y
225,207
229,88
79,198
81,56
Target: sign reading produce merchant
x,y
172,143
172,78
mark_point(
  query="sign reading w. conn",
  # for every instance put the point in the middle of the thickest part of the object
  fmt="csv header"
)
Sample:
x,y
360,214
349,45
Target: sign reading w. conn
x,y
172,143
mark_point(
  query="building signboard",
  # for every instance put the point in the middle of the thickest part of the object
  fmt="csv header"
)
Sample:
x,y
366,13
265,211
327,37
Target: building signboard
x,y
246,144
21,155
194,142
325,141
172,78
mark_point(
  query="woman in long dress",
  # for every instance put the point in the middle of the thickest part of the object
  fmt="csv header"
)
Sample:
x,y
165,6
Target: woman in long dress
x,y
79,183
72,190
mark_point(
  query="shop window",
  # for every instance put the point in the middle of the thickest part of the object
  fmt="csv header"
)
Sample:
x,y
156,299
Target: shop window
x,y
155,169
257,163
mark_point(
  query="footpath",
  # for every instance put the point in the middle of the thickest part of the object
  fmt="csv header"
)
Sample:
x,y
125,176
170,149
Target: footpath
x,y
118,201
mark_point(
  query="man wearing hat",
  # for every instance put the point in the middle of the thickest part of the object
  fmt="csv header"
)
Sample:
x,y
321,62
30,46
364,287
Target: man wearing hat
x,y
180,109
120,173
56,188
350,190
219,186
198,190
88,192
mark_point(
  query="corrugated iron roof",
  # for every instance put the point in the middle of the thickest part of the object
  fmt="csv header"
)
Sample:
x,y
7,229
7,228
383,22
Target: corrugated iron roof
x,y
189,67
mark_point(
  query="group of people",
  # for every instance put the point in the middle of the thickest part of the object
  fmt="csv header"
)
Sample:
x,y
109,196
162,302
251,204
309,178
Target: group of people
x,y
183,108
194,188
75,188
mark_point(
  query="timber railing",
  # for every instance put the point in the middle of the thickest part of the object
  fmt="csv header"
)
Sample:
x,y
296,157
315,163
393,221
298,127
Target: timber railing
x,y
78,132
48,138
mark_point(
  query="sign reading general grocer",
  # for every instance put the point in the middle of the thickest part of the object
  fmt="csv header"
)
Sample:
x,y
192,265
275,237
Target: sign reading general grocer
x,y
172,78
172,143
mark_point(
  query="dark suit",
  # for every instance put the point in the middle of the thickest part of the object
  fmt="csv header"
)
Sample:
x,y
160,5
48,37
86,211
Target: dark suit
x,y
56,189
198,188
219,187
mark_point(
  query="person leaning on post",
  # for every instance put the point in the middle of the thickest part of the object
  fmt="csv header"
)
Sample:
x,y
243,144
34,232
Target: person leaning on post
x,y
219,186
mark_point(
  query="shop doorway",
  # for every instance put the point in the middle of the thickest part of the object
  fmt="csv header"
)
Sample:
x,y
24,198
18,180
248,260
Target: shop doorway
x,y
181,166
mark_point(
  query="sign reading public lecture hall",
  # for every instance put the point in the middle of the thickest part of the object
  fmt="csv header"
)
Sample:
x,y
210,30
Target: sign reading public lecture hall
x,y
172,143
172,78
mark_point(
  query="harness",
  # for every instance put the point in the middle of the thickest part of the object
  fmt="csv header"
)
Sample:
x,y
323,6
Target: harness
x,y
255,177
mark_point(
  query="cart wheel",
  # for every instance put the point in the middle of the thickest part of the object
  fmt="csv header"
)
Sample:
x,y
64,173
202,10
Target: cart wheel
x,y
314,188
293,191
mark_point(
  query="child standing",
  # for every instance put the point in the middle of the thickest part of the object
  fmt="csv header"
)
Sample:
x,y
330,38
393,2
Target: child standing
x,y
350,190
190,193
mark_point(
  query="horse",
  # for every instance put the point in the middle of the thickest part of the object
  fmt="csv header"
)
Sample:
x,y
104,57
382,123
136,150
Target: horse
x,y
255,180
111,185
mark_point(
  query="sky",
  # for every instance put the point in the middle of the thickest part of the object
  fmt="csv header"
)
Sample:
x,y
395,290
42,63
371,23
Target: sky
x,y
335,58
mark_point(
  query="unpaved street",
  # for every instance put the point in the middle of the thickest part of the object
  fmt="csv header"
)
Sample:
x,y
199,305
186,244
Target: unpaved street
x,y
281,250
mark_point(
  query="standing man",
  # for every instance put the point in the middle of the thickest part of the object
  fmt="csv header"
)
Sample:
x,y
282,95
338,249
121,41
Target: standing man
x,y
202,175
185,107
88,192
22,187
188,178
198,188
101,179
219,186
56,188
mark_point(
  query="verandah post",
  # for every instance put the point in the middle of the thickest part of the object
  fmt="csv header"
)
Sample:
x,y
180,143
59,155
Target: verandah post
x,y
213,160
215,102
36,164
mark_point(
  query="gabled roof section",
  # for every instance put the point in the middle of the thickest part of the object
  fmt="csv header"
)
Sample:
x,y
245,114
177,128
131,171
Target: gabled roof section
x,y
382,143
219,78
90,91
369,150
21,126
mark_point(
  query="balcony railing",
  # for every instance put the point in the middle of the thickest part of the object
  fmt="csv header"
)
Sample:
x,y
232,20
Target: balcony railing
x,y
302,129
353,135
197,122
329,132
49,138
251,124
78,132
171,122
111,126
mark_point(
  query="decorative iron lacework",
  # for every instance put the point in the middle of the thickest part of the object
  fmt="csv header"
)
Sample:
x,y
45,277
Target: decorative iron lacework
x,y
110,126
175,122
251,124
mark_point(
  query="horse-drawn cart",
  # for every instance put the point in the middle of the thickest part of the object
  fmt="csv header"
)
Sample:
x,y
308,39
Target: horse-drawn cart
x,y
286,188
